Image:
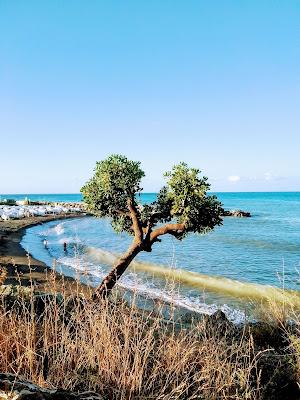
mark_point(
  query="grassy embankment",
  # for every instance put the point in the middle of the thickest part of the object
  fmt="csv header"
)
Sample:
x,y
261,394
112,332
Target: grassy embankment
x,y
58,340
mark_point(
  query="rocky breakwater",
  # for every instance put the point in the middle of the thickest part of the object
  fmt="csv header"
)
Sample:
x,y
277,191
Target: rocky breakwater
x,y
20,211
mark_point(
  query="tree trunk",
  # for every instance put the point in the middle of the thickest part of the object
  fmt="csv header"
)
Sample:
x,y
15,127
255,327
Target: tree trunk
x,y
119,268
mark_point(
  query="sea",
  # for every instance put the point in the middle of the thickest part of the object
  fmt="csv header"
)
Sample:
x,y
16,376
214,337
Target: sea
x,y
245,260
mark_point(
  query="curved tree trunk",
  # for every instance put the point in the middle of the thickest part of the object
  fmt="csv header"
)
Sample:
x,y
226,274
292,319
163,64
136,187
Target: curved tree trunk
x,y
119,268
139,244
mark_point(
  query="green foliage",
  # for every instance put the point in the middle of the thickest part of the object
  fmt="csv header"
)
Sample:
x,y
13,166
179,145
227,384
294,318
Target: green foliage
x,y
106,194
183,199
186,191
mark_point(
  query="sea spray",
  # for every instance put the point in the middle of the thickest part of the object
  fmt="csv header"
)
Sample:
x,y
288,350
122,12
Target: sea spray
x,y
57,230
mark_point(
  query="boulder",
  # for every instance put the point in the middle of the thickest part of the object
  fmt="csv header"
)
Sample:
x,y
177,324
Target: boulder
x,y
13,387
236,213
191,317
214,323
220,324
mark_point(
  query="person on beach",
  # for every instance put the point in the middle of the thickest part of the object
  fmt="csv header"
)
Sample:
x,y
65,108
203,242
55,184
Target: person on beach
x,y
65,246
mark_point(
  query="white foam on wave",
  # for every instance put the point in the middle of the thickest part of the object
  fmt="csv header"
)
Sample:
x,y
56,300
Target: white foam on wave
x,y
133,282
59,229
81,265
195,304
66,239
55,230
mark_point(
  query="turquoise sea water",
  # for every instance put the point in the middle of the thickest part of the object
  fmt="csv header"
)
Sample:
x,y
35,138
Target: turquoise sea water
x,y
73,197
264,250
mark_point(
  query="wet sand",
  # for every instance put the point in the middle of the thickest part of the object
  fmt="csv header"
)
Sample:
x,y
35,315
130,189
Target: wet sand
x,y
21,268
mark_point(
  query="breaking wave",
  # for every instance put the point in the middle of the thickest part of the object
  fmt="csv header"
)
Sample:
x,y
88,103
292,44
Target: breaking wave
x,y
132,281
216,284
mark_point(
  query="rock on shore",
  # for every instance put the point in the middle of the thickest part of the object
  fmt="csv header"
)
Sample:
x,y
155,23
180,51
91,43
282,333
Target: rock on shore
x,y
12,387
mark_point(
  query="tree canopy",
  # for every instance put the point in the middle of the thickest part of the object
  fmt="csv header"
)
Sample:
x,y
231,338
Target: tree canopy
x,y
116,181
116,185
182,205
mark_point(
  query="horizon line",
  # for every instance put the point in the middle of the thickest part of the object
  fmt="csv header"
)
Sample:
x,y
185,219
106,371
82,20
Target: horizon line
x,y
144,192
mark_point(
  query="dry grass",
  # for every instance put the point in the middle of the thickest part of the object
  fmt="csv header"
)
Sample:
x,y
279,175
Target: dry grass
x,y
285,316
3,274
121,352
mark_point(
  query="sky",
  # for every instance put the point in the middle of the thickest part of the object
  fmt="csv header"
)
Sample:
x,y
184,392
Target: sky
x,y
212,83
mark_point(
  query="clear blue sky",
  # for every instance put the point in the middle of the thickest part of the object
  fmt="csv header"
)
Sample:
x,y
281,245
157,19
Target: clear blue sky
x,y
213,83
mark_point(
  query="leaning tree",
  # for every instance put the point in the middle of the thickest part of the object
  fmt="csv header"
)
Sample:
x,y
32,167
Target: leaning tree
x,y
181,206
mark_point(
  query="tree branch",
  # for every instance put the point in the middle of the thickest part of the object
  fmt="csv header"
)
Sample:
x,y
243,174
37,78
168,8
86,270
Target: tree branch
x,y
172,229
148,229
136,224
123,213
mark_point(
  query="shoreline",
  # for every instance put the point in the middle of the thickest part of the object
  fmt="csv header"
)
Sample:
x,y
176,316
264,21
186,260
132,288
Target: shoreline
x,y
23,269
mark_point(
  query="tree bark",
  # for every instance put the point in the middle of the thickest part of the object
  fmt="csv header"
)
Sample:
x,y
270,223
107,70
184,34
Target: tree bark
x,y
171,229
119,268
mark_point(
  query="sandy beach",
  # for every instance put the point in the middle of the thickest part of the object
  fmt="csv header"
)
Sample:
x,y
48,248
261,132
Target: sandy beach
x,y
22,268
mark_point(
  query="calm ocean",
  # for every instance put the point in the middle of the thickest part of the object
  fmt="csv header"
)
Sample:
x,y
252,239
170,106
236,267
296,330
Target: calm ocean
x,y
213,270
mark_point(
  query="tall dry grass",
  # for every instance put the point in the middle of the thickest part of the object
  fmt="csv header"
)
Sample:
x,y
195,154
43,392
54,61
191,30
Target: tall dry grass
x,y
117,350
283,318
